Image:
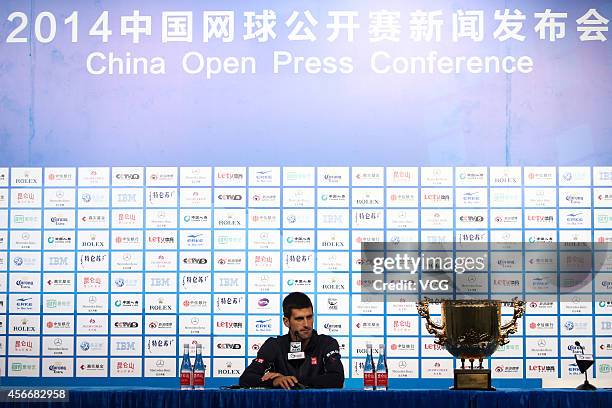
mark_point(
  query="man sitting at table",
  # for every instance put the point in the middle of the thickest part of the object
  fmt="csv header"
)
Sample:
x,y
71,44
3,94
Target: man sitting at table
x,y
302,357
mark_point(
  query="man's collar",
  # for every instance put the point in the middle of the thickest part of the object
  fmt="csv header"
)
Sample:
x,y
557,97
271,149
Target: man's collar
x,y
313,340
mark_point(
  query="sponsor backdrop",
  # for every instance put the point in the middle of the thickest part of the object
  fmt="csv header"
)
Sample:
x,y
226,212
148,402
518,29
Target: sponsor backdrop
x,y
169,172
106,272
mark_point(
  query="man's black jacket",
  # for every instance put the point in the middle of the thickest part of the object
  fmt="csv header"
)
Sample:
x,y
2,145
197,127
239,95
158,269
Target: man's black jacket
x,y
321,368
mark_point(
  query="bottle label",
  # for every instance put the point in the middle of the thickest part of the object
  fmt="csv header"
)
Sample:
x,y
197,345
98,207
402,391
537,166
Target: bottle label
x,y
186,378
368,379
382,379
198,379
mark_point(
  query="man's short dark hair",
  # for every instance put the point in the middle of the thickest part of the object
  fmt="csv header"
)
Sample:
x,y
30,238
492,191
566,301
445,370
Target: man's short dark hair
x,y
295,300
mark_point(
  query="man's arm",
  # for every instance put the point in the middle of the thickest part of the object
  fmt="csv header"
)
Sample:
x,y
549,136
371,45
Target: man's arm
x,y
333,371
251,377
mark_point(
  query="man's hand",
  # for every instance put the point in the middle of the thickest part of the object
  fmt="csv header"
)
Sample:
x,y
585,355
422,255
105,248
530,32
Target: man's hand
x,y
270,376
285,381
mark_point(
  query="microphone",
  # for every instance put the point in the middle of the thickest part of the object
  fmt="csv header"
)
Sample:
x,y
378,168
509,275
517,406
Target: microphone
x,y
577,343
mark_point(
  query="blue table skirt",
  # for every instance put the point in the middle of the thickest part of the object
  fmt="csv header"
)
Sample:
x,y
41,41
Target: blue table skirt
x,y
174,398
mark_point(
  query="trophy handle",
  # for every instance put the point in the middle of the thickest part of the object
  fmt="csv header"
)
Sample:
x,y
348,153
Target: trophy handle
x,y
432,327
510,327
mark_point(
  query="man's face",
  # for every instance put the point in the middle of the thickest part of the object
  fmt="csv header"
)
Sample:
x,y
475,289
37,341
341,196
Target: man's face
x,y
300,323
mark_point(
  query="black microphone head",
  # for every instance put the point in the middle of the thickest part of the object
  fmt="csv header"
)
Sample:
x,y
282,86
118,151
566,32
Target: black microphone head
x,y
577,343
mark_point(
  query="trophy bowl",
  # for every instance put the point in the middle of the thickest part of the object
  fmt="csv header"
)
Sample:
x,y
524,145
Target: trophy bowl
x,y
471,329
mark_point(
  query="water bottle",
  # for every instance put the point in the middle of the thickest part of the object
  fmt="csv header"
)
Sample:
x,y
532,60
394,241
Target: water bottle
x,y
382,374
369,380
198,369
186,372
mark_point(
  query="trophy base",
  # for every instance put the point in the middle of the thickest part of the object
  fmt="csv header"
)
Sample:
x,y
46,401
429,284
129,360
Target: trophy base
x,y
472,379
586,386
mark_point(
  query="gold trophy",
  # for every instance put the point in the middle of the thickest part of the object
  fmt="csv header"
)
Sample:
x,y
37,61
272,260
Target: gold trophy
x,y
471,330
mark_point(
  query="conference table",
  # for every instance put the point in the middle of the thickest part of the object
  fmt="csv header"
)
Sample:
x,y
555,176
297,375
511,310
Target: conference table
x,y
124,397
